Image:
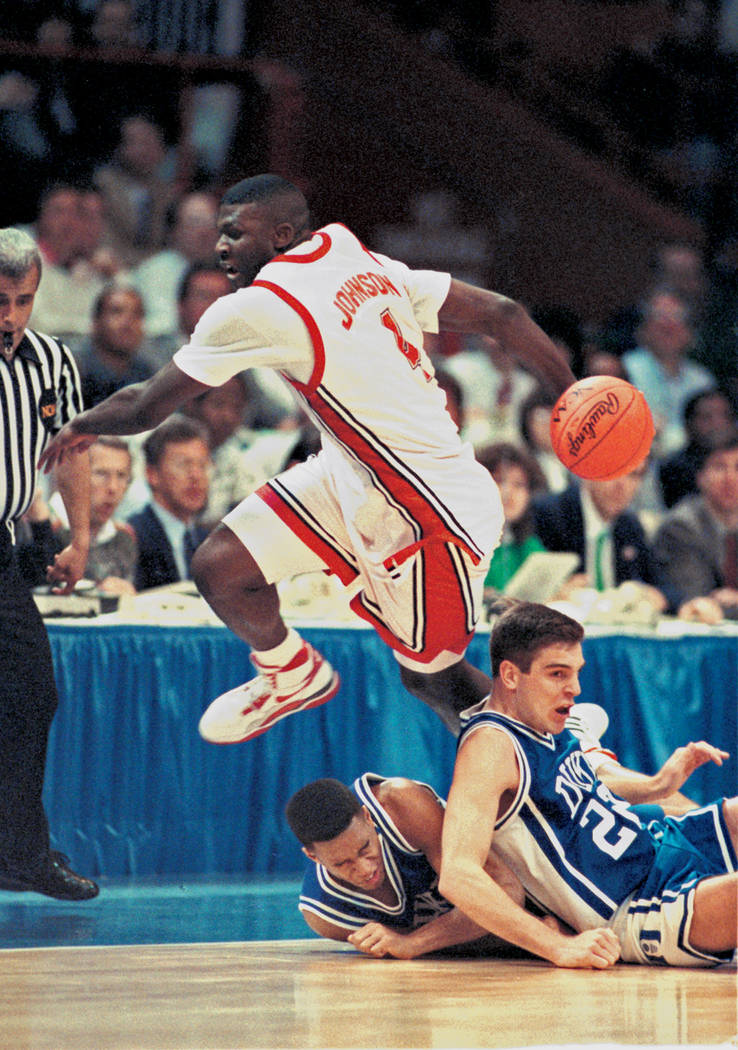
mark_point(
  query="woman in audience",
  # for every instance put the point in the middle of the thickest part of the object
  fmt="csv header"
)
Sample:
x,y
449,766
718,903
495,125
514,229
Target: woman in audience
x,y
518,478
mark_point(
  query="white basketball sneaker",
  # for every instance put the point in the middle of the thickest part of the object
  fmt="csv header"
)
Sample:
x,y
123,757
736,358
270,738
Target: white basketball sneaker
x,y
250,709
588,723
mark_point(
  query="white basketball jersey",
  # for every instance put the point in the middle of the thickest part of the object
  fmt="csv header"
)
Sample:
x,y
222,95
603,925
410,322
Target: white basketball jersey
x,y
374,396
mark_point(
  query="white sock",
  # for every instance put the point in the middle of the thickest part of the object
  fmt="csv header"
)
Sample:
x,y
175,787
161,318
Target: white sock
x,y
281,654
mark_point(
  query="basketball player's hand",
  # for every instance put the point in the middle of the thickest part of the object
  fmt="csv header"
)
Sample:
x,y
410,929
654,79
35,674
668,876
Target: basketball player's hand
x,y
683,762
591,950
64,444
379,941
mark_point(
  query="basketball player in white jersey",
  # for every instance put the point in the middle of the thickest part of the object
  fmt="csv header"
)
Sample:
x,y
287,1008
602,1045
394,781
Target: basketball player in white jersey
x,y
663,892
394,504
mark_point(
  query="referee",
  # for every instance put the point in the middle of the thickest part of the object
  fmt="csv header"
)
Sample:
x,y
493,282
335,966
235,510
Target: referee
x,y
39,391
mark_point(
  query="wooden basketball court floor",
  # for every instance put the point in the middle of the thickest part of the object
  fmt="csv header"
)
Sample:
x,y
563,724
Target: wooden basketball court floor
x,y
197,965
316,994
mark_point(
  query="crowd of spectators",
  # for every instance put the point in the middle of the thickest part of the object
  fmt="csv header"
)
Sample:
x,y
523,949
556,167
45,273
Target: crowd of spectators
x,y
130,266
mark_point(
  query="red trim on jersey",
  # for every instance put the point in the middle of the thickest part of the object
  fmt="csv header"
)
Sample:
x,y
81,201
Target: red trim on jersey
x,y
323,248
402,490
345,572
445,615
313,331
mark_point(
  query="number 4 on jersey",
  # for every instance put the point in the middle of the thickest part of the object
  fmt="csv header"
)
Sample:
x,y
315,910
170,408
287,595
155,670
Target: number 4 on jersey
x,y
406,349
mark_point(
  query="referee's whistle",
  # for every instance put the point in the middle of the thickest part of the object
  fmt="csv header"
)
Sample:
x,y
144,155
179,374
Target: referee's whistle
x,y
7,345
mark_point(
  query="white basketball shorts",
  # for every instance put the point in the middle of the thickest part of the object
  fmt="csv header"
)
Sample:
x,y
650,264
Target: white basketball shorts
x,y
425,608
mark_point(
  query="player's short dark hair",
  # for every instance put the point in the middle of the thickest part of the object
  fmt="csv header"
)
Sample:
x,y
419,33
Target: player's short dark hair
x,y
321,810
524,629
178,428
264,189
257,189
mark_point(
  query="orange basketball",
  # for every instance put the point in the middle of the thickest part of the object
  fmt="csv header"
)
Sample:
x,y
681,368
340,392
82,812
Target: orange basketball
x,y
601,428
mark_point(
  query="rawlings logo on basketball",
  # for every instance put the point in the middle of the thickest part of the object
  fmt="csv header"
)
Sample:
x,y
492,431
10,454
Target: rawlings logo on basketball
x,y
588,429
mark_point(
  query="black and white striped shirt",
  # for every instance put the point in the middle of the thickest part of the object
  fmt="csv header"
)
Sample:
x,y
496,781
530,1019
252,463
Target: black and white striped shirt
x,y
39,392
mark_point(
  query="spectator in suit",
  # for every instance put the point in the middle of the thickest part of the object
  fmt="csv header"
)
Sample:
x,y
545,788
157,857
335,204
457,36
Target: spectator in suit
x,y
695,546
706,415
115,354
167,529
592,519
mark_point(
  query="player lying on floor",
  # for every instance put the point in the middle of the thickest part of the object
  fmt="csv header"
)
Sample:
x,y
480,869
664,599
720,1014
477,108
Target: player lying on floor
x,y
376,852
663,893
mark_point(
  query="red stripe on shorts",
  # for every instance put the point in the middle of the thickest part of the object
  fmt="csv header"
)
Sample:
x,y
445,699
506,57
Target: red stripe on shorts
x,y
332,557
446,617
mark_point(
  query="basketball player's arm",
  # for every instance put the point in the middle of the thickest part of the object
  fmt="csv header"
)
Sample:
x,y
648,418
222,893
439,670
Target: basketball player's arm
x,y
662,787
476,310
486,770
131,410
418,816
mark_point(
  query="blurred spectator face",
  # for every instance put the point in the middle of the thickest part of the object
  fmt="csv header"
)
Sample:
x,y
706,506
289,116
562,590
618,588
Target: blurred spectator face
x,y
54,32
612,497
712,416
683,268
141,149
514,486
92,216
119,328
195,233
222,410
113,24
603,363
202,291
59,225
538,425
666,330
110,472
718,482
180,481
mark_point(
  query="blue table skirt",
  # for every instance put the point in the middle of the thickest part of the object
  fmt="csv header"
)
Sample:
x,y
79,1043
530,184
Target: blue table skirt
x,y
132,789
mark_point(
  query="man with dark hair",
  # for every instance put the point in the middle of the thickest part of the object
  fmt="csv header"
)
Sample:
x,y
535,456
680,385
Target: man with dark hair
x,y
167,529
376,851
394,504
39,391
661,893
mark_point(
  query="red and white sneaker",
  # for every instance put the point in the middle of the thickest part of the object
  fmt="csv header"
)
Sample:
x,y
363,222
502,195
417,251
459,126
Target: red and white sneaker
x,y
250,709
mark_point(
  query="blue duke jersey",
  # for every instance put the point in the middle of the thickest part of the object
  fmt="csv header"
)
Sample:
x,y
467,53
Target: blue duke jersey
x,y
413,879
583,854
581,877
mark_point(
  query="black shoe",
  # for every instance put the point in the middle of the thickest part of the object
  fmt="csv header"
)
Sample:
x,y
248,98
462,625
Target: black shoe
x,y
54,879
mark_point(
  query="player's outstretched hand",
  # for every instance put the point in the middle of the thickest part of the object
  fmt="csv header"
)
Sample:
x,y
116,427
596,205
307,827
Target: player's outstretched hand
x,y
591,950
64,444
379,941
682,763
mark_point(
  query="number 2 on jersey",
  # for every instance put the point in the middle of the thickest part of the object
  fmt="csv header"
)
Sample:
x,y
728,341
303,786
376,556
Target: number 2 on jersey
x,y
406,349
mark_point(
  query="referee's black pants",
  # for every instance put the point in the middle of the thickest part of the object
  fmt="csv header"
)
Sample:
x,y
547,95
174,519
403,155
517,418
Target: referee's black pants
x,y
28,700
